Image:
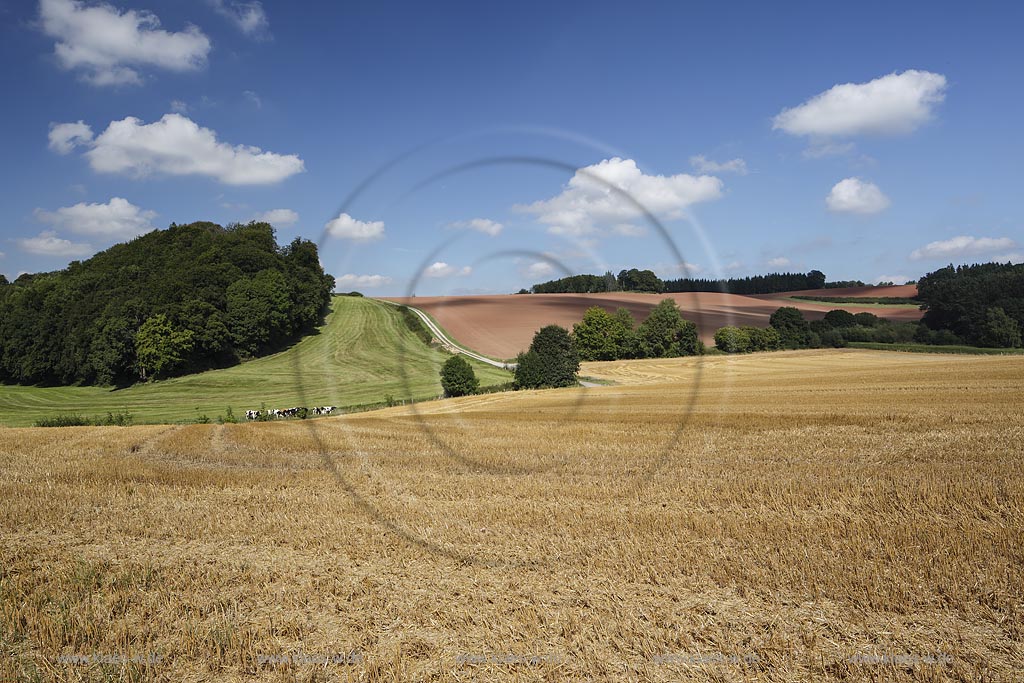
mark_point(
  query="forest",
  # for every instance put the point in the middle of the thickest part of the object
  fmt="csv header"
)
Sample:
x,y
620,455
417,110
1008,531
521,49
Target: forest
x,y
175,301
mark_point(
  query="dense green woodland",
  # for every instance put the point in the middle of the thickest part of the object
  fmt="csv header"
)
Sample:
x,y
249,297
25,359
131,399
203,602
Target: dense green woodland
x,y
173,301
981,304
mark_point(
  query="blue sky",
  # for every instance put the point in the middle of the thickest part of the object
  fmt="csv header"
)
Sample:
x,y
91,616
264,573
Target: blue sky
x,y
448,148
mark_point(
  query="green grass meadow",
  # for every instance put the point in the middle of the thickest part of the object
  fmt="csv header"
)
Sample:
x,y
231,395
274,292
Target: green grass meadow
x,y
356,359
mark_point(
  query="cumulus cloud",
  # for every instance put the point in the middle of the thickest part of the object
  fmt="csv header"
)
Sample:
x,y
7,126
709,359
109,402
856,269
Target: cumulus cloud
x,y
348,228
47,243
705,165
179,106
278,217
539,269
962,245
895,279
892,104
370,281
484,225
117,218
442,269
779,262
588,200
853,195
106,45
248,17
64,137
175,145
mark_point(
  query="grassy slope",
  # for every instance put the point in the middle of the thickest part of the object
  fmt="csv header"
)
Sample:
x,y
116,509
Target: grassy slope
x,y
356,359
851,304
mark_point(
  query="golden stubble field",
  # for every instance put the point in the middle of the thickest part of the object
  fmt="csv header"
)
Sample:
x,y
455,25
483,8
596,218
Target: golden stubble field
x,y
817,516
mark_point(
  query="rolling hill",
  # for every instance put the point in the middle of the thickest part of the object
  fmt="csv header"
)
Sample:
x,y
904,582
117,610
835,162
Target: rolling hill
x,y
356,358
503,325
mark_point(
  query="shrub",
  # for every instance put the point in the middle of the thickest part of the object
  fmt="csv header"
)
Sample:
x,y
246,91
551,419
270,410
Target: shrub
x,y
762,338
838,318
732,340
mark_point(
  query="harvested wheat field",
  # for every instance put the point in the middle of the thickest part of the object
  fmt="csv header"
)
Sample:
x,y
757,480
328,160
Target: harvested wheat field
x,y
503,325
817,516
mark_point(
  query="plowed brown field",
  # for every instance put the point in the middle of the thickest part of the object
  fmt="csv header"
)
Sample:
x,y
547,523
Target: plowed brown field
x,y
503,325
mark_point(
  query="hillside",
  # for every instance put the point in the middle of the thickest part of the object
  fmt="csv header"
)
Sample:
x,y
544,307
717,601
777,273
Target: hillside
x,y
167,303
503,325
356,358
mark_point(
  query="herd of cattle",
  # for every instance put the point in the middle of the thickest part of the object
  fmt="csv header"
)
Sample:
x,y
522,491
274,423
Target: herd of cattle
x,y
276,413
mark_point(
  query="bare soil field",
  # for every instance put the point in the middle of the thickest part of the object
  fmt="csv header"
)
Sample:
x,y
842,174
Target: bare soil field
x,y
901,291
503,325
829,515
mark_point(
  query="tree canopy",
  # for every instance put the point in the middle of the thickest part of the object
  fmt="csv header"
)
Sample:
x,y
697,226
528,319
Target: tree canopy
x,y
458,378
551,361
960,300
172,301
665,334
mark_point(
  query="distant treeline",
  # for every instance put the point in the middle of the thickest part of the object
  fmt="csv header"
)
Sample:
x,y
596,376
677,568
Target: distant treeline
x,y
753,284
634,280
174,301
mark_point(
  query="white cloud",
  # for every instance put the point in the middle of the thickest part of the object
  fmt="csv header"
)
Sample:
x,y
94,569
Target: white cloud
x,y
705,165
823,149
779,262
895,279
175,145
484,225
248,17
47,243
346,227
351,280
278,217
629,230
117,218
539,269
253,98
892,104
963,245
179,106
442,269
588,201
106,45
64,137
853,195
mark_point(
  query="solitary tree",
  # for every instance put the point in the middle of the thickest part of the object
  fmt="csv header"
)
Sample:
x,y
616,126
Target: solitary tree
x,y
552,360
458,378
